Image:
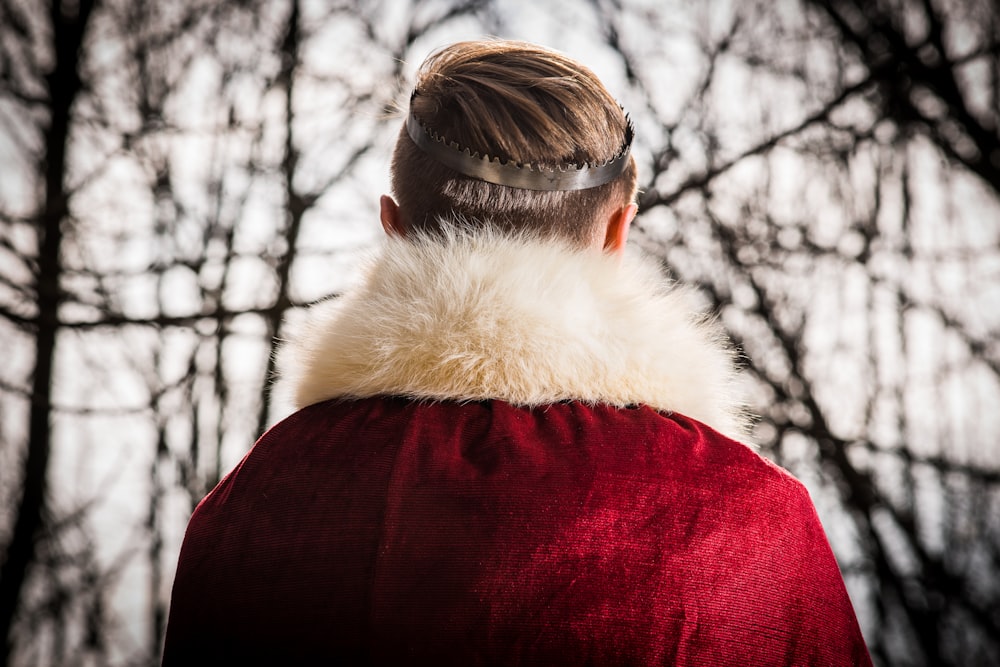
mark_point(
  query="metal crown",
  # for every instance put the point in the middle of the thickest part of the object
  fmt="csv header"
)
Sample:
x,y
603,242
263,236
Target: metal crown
x,y
513,174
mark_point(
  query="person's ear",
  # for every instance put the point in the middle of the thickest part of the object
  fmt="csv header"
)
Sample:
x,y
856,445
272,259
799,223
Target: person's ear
x,y
616,233
392,221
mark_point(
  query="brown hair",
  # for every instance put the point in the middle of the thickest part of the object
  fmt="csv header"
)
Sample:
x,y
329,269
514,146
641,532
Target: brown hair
x,y
515,101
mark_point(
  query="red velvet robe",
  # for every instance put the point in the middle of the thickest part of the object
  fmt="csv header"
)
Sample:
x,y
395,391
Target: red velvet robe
x,y
491,495
389,531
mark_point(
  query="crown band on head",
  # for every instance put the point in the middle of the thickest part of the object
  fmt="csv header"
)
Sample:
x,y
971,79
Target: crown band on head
x,y
525,176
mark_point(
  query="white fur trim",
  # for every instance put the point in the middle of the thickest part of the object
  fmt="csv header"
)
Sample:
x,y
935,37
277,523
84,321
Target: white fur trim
x,y
483,316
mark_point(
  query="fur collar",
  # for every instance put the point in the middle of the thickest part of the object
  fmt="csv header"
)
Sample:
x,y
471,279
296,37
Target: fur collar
x,y
483,316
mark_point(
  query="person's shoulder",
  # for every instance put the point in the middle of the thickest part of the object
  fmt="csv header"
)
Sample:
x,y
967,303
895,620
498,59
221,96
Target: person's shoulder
x,y
678,449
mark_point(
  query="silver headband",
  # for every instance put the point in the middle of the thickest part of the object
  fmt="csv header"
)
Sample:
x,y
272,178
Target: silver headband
x,y
510,173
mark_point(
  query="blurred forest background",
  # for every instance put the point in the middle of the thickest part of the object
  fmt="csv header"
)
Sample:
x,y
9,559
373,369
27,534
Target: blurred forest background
x,y
178,177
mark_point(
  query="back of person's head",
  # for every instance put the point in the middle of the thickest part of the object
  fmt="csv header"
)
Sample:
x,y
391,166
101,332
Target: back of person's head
x,y
516,102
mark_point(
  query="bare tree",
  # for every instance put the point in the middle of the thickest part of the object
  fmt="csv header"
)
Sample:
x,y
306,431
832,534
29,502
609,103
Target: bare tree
x,y
59,86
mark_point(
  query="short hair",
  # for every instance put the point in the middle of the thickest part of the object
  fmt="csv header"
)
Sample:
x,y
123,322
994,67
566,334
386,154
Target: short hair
x,y
514,101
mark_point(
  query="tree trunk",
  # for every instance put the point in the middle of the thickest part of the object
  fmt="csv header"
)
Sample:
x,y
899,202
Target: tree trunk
x,y
63,86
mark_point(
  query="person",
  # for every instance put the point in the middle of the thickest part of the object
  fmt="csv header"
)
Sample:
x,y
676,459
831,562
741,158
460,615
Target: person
x,y
516,443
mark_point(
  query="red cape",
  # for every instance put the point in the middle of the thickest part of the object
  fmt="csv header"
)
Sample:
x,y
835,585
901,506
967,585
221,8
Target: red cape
x,y
386,531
